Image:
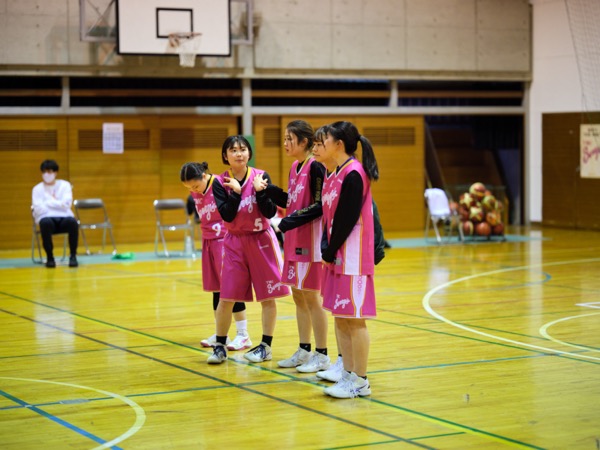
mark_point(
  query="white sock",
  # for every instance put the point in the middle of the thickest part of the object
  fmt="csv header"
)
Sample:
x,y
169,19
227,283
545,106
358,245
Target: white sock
x,y
242,326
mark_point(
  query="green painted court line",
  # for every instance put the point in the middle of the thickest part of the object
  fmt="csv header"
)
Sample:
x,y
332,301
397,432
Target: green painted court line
x,y
225,382
441,422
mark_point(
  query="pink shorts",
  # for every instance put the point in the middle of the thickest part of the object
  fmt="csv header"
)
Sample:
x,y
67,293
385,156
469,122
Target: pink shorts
x,y
212,260
252,261
350,296
302,275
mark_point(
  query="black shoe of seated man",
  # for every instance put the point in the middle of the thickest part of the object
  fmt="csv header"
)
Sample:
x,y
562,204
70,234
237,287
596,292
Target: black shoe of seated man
x,y
73,261
51,263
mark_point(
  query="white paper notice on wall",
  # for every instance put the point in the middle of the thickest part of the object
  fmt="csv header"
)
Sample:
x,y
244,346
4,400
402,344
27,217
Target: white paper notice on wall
x,y
590,150
112,138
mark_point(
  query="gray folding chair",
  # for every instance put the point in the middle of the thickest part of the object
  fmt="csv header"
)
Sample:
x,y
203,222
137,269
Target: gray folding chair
x,y
91,215
172,215
36,244
438,210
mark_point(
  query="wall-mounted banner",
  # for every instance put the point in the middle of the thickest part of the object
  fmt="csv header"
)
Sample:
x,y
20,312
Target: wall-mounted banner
x,y
590,151
112,138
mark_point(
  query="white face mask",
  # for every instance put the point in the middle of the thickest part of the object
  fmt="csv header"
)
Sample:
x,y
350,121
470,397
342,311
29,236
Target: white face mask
x,y
48,177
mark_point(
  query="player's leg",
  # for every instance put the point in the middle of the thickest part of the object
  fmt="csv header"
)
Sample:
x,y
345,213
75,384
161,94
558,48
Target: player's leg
x,y
304,324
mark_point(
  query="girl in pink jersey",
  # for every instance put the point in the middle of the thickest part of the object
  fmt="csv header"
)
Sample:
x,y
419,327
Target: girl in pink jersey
x,y
196,178
301,246
252,257
348,252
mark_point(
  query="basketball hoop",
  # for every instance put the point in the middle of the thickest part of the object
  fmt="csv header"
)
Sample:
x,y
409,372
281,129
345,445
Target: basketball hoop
x,y
187,46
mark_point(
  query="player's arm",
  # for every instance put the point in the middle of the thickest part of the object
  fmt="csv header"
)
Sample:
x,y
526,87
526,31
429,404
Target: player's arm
x,y
278,195
312,211
227,204
346,214
267,207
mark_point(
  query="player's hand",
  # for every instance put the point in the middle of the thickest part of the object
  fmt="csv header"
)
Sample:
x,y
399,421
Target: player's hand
x,y
259,183
233,184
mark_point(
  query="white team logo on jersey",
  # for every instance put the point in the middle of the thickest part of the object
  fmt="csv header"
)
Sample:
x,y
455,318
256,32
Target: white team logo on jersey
x,y
330,197
273,287
249,201
340,302
293,195
208,210
291,273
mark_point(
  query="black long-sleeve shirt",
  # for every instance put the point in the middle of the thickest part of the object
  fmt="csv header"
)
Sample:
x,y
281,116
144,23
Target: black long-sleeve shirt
x,y
307,214
345,217
228,204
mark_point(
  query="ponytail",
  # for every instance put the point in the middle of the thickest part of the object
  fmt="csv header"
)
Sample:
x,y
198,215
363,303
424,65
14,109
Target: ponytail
x,y
349,135
368,159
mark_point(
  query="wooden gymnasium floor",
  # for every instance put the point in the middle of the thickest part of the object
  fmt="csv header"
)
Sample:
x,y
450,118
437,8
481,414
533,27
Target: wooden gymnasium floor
x,y
476,346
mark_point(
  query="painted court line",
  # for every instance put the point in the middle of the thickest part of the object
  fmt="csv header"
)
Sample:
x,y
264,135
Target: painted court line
x,y
428,296
140,415
544,332
415,414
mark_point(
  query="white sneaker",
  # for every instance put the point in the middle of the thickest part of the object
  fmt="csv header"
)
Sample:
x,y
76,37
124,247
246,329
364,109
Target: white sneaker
x,y
211,341
318,361
219,354
241,342
361,387
334,373
349,386
259,353
297,359
341,387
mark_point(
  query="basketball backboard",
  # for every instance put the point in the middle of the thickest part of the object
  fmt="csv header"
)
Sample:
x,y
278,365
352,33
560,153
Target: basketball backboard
x,y
144,26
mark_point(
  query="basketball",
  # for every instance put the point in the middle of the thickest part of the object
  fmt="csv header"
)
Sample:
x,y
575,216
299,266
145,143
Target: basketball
x,y
467,200
477,190
463,213
468,228
498,229
489,203
483,229
476,214
493,218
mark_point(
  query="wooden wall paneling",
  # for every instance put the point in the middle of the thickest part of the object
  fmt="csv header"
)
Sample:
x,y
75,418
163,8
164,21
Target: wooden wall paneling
x,y
268,137
191,139
588,189
24,143
399,147
560,142
128,183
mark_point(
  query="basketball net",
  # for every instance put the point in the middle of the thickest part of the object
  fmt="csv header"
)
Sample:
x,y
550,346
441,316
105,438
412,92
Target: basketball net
x,y
187,46
584,16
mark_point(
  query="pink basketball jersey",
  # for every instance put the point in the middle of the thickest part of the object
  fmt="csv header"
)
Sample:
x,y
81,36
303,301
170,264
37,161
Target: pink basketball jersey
x,y
211,223
356,255
303,243
248,218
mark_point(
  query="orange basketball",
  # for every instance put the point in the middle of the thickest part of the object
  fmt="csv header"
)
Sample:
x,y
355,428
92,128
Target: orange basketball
x,y
483,229
468,228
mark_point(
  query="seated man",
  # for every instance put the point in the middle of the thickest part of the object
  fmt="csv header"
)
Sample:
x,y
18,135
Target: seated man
x,y
51,200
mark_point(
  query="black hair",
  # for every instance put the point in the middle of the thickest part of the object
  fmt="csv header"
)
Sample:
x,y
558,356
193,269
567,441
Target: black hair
x,y
49,164
230,142
348,133
321,134
193,171
302,130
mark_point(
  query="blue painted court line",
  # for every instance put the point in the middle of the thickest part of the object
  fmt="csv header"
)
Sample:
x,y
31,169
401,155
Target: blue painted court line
x,y
431,242
84,260
65,424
